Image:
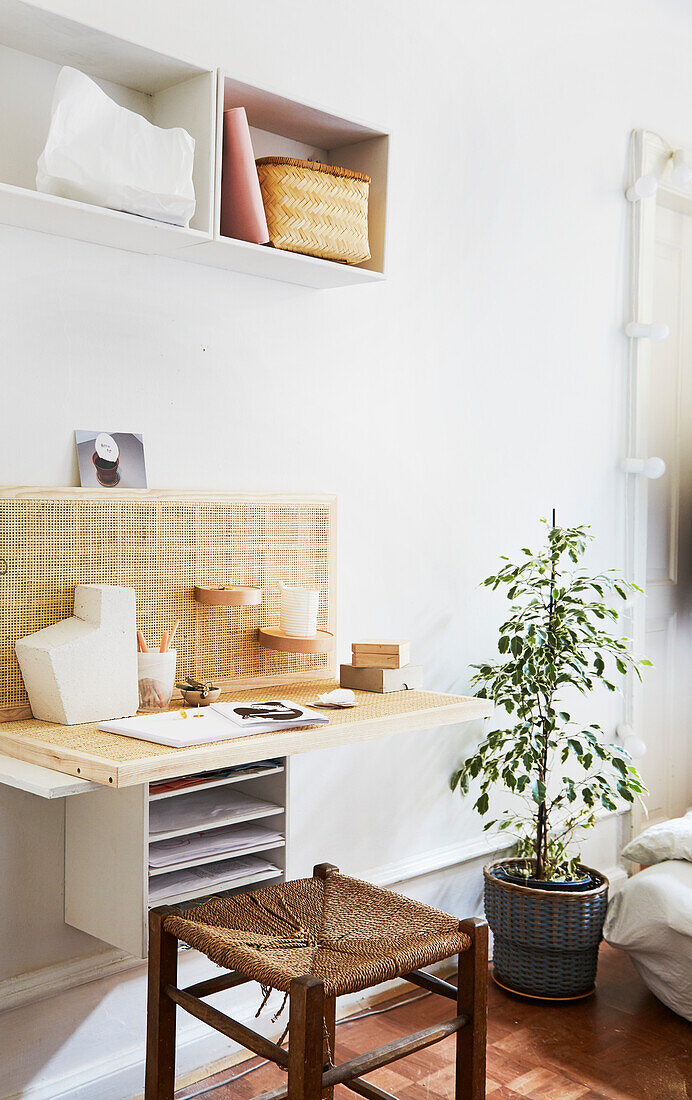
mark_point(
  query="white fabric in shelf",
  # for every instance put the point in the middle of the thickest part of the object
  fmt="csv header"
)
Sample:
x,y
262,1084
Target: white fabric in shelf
x,y
100,153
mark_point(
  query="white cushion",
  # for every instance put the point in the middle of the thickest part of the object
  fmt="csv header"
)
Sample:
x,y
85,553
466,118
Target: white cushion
x,y
667,840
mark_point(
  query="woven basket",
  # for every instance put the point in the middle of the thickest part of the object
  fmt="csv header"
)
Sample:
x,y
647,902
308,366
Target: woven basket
x,y
545,942
317,209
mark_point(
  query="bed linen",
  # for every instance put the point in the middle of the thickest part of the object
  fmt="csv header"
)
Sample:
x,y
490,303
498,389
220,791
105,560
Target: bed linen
x,y
651,919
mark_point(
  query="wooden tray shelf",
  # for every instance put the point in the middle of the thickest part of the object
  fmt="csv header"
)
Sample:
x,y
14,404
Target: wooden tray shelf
x,y
272,637
232,596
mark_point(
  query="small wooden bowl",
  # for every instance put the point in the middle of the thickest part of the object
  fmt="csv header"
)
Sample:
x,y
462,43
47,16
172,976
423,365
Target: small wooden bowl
x,y
193,698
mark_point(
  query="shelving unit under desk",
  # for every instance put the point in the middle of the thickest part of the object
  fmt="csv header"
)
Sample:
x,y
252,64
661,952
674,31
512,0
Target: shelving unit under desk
x,y
110,884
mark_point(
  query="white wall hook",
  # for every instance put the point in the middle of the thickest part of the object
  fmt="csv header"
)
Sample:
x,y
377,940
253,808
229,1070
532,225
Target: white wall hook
x,y
652,468
682,171
656,331
643,188
630,742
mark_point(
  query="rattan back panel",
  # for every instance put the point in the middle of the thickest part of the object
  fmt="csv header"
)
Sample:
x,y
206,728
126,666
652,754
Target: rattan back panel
x,y
161,545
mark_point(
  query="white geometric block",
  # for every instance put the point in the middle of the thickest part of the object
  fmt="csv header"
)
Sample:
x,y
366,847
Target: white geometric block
x,y
84,669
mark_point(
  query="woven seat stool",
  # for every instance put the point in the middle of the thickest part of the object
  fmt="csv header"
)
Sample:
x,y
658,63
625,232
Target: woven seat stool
x,y
317,939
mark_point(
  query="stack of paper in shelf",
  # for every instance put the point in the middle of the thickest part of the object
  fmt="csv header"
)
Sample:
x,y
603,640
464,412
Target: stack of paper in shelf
x,y
204,809
381,665
208,844
199,880
168,786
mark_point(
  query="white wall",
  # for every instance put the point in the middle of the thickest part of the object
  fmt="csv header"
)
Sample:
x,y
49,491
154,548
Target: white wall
x,y
452,406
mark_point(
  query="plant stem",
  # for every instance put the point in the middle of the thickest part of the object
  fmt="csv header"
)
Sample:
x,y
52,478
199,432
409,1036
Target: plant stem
x,y
542,823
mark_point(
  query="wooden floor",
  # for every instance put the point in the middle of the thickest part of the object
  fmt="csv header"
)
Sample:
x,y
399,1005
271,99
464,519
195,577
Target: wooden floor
x,y
621,1044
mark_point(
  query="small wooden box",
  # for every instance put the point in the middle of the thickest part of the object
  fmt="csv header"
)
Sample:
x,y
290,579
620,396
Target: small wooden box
x,y
381,679
380,654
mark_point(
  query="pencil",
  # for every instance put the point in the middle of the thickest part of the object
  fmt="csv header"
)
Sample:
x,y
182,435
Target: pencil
x,y
170,640
164,642
143,647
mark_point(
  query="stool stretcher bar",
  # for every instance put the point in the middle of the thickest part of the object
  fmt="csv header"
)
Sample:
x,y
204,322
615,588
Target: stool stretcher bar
x,y
432,984
232,1028
216,985
368,1090
352,1070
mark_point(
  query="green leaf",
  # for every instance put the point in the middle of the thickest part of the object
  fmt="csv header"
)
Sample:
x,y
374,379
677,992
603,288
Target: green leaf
x,y
538,791
482,804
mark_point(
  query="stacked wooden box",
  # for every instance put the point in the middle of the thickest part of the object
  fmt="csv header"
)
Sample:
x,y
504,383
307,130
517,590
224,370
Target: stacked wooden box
x,y
380,665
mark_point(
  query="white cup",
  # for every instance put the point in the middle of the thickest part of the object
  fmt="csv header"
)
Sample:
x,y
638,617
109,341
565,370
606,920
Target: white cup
x,y
156,678
298,611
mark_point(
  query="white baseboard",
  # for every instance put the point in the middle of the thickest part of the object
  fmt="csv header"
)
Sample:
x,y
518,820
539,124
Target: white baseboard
x,y
122,1074
437,859
38,985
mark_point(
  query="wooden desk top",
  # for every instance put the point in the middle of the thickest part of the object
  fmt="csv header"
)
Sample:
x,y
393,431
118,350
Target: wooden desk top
x,y
117,761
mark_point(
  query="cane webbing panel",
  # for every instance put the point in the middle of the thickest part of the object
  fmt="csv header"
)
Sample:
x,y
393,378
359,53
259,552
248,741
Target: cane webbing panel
x,y
162,545
350,934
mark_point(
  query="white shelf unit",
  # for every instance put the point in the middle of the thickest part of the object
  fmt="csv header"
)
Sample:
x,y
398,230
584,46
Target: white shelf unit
x,y
35,43
284,127
107,837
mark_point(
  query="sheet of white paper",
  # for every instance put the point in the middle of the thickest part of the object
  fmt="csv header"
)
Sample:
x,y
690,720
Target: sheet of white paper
x,y
200,727
204,809
209,875
200,845
184,728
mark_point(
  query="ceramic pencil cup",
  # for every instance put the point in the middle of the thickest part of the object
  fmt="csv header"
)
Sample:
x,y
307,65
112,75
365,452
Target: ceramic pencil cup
x,y
155,679
298,611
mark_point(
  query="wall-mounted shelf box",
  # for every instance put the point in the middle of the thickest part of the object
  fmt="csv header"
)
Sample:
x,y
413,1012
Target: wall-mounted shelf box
x,y
284,127
35,43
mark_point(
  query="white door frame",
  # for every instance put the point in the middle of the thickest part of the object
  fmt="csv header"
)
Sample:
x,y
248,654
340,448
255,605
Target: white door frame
x,y
649,154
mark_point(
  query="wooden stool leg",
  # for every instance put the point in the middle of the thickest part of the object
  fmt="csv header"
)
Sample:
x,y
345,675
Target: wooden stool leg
x,y
305,1039
329,1039
163,968
323,870
472,1000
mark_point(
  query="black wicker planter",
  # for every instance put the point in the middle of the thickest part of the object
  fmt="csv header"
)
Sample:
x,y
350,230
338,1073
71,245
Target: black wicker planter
x,y
545,942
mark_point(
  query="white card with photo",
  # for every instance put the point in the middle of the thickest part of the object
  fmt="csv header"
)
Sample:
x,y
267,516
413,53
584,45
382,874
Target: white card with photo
x,y
110,460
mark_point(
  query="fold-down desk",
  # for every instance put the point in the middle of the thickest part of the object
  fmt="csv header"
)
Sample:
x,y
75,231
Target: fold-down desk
x,y
116,761
110,878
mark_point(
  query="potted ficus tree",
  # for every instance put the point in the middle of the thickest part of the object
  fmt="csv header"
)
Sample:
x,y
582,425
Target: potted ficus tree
x,y
545,908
